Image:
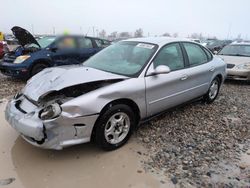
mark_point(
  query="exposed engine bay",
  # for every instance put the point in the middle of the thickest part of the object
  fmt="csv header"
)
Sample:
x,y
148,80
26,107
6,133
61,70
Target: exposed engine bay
x,y
71,92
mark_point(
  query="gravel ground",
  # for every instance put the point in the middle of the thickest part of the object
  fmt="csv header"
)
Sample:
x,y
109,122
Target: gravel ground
x,y
197,144
9,86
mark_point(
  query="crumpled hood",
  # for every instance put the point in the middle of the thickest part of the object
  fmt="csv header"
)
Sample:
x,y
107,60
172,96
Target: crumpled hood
x,y
55,79
237,60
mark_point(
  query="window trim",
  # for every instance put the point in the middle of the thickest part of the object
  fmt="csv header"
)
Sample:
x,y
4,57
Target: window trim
x,y
80,38
202,48
168,44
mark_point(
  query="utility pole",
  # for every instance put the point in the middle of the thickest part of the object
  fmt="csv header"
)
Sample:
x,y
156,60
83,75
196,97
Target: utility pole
x,y
97,32
93,31
54,30
229,30
81,29
32,29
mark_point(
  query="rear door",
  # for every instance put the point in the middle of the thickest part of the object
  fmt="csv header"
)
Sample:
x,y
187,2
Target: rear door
x,y
86,48
200,68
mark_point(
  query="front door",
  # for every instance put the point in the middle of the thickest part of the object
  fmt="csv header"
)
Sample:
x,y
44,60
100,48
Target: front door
x,y
65,51
164,91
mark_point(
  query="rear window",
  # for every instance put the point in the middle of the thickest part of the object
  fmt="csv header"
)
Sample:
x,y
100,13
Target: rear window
x,y
196,55
85,43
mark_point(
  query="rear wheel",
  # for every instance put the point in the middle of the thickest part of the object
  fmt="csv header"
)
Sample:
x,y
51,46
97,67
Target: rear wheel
x,y
213,91
38,68
114,127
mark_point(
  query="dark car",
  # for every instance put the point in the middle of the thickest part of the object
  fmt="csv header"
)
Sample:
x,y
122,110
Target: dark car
x,y
217,45
3,49
33,55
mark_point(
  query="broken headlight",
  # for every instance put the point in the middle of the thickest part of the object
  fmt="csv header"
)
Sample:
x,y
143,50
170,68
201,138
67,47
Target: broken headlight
x,y
50,111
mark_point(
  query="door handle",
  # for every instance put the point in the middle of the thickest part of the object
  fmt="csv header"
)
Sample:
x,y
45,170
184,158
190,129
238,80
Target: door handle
x,y
184,77
211,69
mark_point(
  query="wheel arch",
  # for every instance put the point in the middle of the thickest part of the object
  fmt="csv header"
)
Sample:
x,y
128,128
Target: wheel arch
x,y
134,107
219,76
40,61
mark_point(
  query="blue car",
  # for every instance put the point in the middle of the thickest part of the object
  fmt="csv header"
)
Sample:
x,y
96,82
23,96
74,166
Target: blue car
x,y
33,55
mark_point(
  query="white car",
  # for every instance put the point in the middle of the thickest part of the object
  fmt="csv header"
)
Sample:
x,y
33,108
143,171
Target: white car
x,y
237,57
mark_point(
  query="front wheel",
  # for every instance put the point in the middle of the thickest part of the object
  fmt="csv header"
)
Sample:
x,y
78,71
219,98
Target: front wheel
x,y
213,91
38,68
115,126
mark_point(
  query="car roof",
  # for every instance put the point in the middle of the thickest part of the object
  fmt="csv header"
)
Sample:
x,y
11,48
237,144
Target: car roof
x,y
158,40
240,43
74,35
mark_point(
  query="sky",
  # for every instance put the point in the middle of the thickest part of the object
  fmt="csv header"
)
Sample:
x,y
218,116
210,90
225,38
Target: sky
x,y
221,18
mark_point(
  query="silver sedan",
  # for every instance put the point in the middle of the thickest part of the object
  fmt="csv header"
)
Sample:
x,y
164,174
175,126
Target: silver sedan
x,y
107,96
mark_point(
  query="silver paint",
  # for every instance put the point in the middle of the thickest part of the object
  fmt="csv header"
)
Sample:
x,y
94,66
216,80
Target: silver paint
x,y
152,94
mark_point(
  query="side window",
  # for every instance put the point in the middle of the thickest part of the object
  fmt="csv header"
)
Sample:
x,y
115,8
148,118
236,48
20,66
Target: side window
x,y
106,43
66,43
85,43
99,43
195,54
171,56
209,55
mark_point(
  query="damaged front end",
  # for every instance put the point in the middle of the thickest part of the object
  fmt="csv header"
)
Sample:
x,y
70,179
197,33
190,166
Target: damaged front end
x,y
53,110
45,124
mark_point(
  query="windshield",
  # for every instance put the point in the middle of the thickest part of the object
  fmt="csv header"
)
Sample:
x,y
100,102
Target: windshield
x,y
238,50
44,42
125,58
214,42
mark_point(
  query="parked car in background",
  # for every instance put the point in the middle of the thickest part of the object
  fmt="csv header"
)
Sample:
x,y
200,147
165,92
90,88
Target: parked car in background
x,y
3,48
33,55
216,45
237,57
196,40
106,97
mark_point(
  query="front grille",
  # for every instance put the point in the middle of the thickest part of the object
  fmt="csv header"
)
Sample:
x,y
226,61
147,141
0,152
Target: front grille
x,y
230,66
9,58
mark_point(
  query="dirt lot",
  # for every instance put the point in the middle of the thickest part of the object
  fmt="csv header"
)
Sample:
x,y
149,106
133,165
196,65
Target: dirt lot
x,y
193,146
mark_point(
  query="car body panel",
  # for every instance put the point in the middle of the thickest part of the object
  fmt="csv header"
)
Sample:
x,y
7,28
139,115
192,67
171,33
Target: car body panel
x,y
49,55
233,72
79,113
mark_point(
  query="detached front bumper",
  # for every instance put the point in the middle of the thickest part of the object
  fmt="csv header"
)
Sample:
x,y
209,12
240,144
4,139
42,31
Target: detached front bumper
x,y
56,133
234,74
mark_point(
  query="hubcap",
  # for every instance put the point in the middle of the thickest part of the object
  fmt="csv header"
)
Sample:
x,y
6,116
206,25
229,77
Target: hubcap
x,y
214,88
117,128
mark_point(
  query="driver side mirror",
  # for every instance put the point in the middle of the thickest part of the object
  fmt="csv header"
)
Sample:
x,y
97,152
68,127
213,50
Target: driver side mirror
x,y
215,52
161,69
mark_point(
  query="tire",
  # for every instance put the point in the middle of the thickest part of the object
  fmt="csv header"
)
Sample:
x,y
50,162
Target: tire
x,y
213,91
114,127
37,68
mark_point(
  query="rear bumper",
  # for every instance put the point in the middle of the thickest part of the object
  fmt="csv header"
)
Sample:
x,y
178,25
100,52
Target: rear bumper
x,y
233,74
14,70
56,133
